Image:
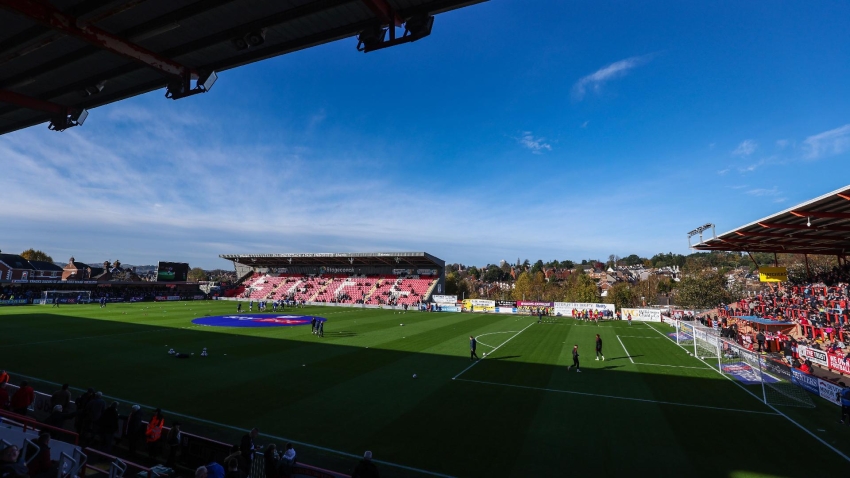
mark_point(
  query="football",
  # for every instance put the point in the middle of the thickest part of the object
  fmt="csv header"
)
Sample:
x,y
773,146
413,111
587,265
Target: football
x,y
414,375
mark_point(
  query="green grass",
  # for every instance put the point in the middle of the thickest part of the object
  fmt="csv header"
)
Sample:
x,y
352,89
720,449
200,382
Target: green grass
x,y
519,412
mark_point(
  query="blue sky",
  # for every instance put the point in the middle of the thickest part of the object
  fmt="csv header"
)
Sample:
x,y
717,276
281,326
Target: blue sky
x,y
532,129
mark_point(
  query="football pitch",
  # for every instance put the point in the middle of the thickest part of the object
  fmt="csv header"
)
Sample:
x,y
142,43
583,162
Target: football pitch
x,y
647,409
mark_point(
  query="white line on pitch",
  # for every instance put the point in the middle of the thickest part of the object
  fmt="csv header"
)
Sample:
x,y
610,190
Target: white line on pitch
x,y
491,352
638,337
240,429
491,333
801,427
674,366
624,349
614,397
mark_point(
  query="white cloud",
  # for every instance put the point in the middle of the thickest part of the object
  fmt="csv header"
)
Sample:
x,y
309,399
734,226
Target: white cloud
x,y
828,143
782,143
536,145
723,171
746,148
584,125
762,192
595,80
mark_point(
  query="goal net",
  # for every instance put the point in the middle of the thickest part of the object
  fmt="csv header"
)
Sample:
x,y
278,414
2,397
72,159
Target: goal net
x,y
766,377
65,297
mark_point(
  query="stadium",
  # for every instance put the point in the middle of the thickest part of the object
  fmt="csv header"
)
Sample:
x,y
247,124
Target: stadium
x,y
731,361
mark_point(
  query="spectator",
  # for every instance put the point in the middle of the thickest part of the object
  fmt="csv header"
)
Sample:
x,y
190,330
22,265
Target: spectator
x,y
173,442
365,469
94,409
107,426
247,448
57,417
23,398
42,466
61,397
4,397
4,377
212,470
133,428
81,403
9,465
270,461
153,434
288,460
233,470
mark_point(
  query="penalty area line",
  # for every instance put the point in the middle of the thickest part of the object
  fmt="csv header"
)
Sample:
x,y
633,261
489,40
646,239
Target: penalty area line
x,y
801,427
614,397
491,352
624,350
242,429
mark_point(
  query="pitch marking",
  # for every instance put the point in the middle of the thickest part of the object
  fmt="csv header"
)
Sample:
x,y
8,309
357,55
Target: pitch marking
x,y
491,352
624,349
614,397
801,427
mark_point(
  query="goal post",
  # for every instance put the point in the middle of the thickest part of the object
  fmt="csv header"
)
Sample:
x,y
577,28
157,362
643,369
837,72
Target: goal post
x,y
65,297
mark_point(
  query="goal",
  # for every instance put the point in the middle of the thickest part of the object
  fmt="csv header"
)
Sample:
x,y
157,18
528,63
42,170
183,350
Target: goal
x,y
65,297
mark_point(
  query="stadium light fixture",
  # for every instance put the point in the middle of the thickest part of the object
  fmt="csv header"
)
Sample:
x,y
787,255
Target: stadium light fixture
x,y
808,221
182,87
68,120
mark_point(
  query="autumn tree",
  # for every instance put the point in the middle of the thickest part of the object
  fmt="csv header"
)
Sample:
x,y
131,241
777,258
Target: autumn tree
x,y
35,255
198,274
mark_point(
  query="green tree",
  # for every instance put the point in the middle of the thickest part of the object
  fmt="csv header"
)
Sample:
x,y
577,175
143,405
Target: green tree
x,y
522,287
703,290
581,288
35,255
198,274
621,295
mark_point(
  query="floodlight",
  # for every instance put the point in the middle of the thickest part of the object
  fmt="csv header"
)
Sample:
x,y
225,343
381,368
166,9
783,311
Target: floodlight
x,y
71,118
206,81
256,38
808,221
94,89
419,26
371,38
240,43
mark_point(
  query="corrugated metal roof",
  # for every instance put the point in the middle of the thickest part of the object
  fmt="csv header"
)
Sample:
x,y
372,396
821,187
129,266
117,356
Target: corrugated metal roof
x,y
818,226
49,65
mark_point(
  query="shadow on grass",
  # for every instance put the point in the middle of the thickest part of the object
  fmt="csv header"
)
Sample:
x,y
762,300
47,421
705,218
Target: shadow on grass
x,y
326,396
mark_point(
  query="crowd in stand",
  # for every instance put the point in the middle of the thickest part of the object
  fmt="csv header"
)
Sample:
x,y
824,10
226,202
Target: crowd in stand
x,y
817,314
100,426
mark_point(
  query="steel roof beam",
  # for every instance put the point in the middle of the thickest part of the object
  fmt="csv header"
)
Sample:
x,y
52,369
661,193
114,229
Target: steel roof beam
x,y
772,225
62,117
824,215
790,236
52,17
385,12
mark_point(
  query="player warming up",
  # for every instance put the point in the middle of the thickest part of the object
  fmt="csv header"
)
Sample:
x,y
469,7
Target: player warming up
x,y
575,359
599,347
472,344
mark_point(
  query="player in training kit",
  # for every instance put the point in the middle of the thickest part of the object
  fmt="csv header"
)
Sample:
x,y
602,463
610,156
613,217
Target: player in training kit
x,y
239,307
629,318
472,344
599,347
575,359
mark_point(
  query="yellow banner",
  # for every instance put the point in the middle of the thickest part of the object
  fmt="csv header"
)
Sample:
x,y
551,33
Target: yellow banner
x,y
773,274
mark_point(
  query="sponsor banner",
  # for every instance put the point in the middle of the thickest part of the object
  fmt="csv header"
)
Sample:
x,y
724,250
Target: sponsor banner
x,y
55,281
506,310
646,315
806,381
402,271
814,355
198,297
115,299
444,299
829,391
773,274
448,308
744,373
479,303
566,308
837,363
533,304
162,298
426,272
506,303
336,270
777,368
13,302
